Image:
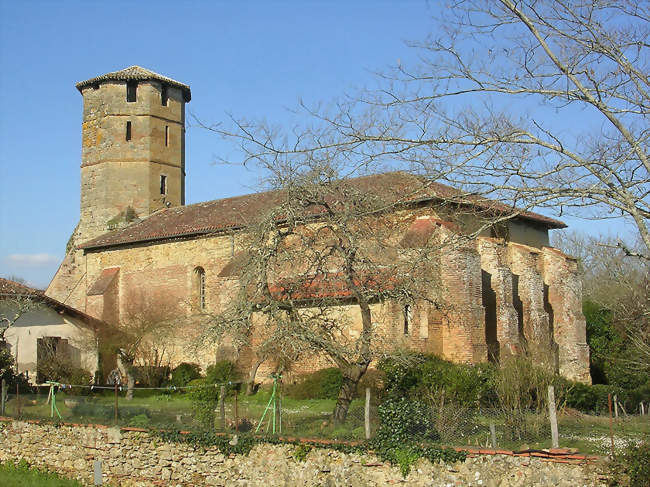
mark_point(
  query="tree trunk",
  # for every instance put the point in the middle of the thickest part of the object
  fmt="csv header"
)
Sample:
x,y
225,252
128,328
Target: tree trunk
x,y
130,383
250,385
351,376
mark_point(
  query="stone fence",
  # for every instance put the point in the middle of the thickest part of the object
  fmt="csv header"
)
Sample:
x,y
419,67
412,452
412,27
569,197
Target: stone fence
x,y
136,458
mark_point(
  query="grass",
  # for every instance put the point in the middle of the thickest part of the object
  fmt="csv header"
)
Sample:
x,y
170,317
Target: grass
x,y
20,475
311,419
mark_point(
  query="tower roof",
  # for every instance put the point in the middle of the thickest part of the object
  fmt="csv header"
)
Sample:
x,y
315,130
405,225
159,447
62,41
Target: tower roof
x,y
136,73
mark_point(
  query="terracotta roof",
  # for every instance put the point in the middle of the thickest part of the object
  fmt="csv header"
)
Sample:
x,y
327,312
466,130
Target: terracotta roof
x,y
11,289
235,213
331,285
136,73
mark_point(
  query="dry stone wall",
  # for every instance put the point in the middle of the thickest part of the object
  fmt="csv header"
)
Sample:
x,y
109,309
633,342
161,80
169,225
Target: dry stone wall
x,y
137,459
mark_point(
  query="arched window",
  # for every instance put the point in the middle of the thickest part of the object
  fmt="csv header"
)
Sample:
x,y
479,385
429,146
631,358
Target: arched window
x,y
199,287
408,318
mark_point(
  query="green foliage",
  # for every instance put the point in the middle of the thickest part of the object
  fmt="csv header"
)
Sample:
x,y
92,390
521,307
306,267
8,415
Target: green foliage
x,y
425,375
322,384
204,393
632,467
7,371
21,474
404,420
184,373
609,350
301,452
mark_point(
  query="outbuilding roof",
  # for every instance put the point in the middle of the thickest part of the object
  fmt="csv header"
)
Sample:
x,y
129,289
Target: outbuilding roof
x,y
234,213
12,290
136,73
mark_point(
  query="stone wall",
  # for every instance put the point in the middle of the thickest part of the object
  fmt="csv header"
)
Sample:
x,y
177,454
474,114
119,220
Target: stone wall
x,y
136,459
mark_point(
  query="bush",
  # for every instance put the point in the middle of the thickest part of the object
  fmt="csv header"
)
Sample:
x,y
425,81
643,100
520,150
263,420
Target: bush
x,y
403,421
204,393
184,373
430,376
632,468
322,384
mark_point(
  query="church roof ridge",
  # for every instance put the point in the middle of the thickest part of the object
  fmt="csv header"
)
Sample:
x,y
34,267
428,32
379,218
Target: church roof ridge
x,y
136,73
235,212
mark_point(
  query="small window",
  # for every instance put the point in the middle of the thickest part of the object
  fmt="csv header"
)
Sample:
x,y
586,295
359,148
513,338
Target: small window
x,y
164,96
408,318
131,91
163,184
128,131
199,287
166,135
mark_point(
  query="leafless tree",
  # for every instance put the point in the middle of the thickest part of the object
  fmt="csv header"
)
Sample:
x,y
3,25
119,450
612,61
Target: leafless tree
x,y
536,103
619,283
16,300
323,266
143,336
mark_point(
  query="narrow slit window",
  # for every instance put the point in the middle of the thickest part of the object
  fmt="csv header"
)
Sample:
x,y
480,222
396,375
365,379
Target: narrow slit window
x,y
131,91
408,318
128,131
166,135
163,184
199,287
164,96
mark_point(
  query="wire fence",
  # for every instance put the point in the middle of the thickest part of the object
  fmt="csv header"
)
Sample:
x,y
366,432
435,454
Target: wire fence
x,y
265,413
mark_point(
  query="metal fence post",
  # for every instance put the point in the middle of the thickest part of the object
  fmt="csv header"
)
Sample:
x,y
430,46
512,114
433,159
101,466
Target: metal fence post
x,y
367,413
552,413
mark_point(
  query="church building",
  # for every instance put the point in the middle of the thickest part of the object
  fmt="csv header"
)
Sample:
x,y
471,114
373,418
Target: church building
x,y
137,243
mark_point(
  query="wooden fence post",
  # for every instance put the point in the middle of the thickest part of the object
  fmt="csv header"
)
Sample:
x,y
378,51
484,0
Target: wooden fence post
x,y
367,414
611,425
493,435
552,413
222,407
236,412
615,406
4,397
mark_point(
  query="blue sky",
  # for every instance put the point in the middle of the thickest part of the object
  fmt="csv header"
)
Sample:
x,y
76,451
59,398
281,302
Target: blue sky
x,y
252,59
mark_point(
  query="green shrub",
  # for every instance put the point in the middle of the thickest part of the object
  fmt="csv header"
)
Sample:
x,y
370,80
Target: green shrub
x,y
322,384
632,467
404,420
430,376
184,373
204,392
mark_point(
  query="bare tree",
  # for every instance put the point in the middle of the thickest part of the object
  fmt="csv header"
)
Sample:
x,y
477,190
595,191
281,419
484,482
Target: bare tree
x,y
323,266
534,103
620,284
16,300
143,336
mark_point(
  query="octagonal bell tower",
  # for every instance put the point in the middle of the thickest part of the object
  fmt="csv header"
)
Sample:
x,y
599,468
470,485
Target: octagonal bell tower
x,y
133,148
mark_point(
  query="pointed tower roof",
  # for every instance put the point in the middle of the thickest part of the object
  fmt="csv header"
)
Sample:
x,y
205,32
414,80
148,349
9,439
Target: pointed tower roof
x,y
136,73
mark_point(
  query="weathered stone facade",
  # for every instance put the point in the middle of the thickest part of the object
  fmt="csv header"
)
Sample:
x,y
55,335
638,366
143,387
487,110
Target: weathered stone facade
x,y
502,295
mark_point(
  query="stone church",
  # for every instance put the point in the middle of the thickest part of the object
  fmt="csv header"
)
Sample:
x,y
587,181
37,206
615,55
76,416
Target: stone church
x,y
138,242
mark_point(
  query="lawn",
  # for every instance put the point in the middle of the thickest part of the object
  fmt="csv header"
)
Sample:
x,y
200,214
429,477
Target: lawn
x,y
311,419
21,475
